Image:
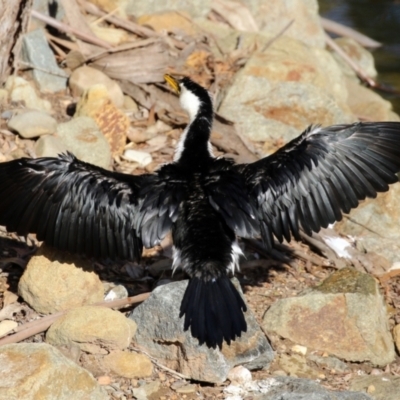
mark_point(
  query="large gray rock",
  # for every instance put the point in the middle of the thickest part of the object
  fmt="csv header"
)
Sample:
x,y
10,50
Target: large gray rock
x,y
286,388
344,316
38,55
32,371
160,333
82,137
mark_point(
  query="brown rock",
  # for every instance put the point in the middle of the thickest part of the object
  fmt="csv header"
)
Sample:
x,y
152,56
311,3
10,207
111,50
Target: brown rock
x,y
38,371
90,325
128,365
344,316
113,123
55,281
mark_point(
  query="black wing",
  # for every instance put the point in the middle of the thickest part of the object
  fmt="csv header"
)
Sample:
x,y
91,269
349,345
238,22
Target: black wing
x,y
321,174
72,205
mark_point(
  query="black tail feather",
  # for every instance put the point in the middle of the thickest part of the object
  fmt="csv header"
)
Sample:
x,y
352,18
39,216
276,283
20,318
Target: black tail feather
x,y
214,311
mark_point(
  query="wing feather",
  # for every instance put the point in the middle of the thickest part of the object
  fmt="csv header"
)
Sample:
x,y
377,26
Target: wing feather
x,y
321,174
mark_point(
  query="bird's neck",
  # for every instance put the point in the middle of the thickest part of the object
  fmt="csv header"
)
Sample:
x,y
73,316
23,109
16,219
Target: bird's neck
x,y
194,144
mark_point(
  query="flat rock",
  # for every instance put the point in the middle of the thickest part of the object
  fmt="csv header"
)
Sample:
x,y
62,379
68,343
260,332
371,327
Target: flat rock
x,y
90,325
160,333
22,90
344,316
287,388
32,124
112,122
85,77
37,54
380,387
167,21
49,146
55,281
283,90
128,365
83,138
274,15
375,223
32,371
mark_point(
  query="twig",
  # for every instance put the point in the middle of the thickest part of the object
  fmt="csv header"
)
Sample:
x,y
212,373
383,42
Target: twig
x,y
341,30
359,71
68,29
278,35
34,327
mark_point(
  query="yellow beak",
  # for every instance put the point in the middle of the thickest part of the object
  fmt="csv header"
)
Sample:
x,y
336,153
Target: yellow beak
x,y
173,83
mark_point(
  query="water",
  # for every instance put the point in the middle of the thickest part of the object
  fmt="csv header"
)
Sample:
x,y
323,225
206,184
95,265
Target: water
x,y
379,19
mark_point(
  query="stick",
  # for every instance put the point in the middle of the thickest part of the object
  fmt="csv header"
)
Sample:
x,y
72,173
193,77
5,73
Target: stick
x,y
34,327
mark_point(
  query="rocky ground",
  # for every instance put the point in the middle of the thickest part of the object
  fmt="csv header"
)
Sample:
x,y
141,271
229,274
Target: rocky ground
x,y
323,314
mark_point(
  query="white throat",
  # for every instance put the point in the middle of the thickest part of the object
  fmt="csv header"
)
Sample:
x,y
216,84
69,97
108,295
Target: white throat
x,y
191,104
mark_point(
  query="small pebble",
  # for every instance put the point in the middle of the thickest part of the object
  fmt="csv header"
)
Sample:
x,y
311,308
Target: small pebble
x,y
140,157
239,375
186,389
299,349
7,326
104,380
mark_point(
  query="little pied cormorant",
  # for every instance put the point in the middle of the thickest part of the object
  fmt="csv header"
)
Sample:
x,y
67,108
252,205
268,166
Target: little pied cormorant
x,y
205,201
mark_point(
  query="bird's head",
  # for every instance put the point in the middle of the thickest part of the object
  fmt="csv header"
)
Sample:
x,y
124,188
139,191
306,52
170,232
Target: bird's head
x,y
194,99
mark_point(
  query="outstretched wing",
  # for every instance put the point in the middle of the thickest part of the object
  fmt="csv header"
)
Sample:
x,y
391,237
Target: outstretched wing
x,y
321,174
72,205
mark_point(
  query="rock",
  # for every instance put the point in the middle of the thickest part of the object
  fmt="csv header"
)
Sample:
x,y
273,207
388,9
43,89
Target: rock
x,y
364,102
344,316
114,36
361,56
296,365
375,223
141,157
90,325
116,292
85,77
49,146
299,92
113,123
384,387
160,333
33,371
32,124
3,96
37,54
128,365
396,336
130,104
274,15
332,363
146,390
239,375
7,326
21,90
55,281
168,21
82,137
287,388
194,8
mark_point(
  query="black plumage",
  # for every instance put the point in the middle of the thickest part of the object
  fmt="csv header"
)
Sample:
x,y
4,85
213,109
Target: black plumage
x,y
205,201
